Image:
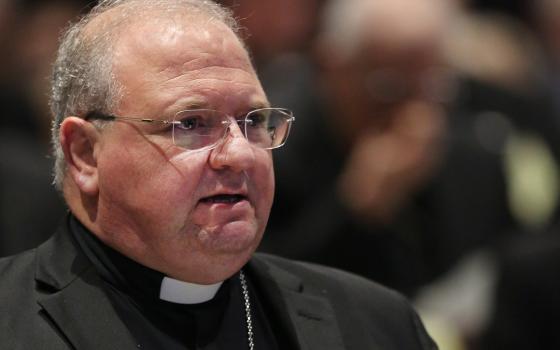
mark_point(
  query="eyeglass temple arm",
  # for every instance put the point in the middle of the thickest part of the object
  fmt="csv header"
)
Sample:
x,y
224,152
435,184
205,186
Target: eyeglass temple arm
x,y
99,116
109,117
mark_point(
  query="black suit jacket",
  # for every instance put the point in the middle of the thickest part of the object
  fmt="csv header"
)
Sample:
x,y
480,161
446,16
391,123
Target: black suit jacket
x,y
52,298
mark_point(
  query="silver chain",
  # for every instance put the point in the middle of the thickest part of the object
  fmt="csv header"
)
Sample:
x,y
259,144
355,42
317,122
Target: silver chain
x,y
248,317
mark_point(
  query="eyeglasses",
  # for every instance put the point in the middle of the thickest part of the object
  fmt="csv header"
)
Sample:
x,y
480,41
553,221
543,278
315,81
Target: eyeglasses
x,y
203,129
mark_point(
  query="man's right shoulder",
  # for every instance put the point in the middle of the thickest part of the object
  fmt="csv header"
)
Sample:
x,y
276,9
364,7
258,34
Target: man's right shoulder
x,y
23,324
15,270
17,284
18,299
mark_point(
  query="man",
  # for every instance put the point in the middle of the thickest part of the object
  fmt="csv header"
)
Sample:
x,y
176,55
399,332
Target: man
x,y
163,136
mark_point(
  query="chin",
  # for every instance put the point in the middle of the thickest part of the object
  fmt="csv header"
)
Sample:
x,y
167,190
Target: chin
x,y
236,237
215,269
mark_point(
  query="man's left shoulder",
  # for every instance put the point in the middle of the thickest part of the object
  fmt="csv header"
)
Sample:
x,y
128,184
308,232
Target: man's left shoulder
x,y
362,307
320,277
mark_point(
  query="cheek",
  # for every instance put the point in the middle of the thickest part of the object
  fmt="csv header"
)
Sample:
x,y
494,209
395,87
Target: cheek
x,y
145,179
265,182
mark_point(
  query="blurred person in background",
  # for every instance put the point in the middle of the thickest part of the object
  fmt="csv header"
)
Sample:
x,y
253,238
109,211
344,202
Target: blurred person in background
x,y
29,38
415,156
375,139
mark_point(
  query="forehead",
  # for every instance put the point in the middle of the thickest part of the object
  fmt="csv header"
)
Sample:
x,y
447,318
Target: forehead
x,y
178,40
185,57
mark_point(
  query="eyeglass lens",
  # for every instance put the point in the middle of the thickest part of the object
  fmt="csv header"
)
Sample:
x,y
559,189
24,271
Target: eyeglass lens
x,y
266,128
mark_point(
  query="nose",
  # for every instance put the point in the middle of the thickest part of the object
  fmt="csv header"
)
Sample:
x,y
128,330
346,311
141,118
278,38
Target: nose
x,y
234,152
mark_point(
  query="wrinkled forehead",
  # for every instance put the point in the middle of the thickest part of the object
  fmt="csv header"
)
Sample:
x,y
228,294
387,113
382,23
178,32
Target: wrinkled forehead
x,y
162,58
181,43
161,33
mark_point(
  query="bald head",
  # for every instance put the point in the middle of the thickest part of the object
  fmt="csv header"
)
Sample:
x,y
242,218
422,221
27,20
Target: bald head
x,y
350,25
83,77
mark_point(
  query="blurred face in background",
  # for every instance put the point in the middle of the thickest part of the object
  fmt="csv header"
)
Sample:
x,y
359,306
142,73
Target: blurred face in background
x,y
395,67
382,82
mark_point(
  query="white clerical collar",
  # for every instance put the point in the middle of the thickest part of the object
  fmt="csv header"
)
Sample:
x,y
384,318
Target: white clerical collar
x,y
180,292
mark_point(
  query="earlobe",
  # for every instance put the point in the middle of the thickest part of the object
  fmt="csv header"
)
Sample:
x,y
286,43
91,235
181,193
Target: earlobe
x,y
79,140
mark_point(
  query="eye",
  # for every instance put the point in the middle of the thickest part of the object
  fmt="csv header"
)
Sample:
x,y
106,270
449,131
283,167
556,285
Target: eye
x,y
190,123
257,119
200,122
194,122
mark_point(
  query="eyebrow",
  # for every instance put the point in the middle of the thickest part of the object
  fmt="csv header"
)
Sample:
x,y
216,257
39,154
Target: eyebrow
x,y
257,105
193,103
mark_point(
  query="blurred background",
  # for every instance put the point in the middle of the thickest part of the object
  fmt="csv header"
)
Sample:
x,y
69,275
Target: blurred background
x,y
425,152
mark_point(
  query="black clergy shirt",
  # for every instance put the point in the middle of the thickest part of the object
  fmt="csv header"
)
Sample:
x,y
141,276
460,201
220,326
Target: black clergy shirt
x,y
133,289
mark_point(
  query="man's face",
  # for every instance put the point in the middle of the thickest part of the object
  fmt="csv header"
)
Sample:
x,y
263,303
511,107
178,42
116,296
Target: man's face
x,y
167,208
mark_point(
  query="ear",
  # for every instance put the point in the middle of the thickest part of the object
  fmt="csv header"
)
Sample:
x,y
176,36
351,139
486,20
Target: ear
x,y
79,140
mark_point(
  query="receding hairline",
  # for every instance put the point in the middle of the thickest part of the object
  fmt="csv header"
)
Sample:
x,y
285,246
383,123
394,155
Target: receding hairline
x,y
125,16
117,23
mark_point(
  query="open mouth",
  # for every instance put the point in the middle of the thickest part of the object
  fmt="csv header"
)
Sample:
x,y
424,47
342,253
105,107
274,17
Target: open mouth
x,y
224,198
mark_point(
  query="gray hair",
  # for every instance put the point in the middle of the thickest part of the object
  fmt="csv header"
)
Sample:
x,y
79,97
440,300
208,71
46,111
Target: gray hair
x,y
83,79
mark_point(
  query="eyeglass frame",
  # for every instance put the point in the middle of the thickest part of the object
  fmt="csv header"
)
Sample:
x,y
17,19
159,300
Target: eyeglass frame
x,y
97,115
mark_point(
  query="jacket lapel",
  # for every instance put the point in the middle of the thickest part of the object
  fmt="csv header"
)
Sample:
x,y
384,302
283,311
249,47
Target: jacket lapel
x,y
79,307
307,315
